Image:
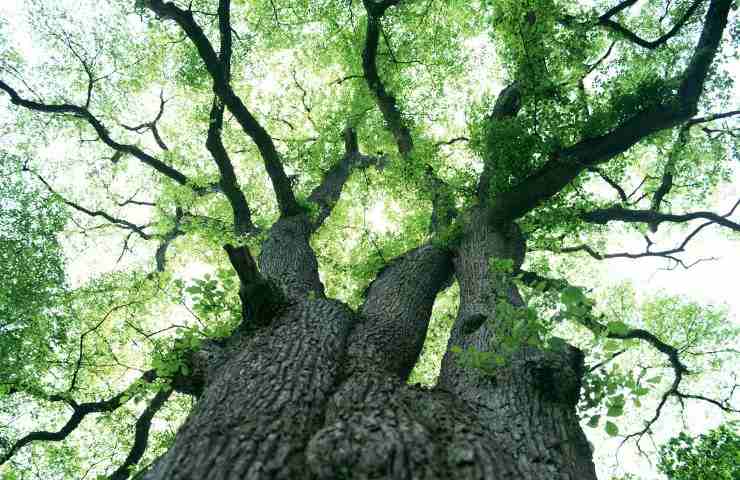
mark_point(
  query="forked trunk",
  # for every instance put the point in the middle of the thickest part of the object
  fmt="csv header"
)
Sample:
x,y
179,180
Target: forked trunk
x,y
321,393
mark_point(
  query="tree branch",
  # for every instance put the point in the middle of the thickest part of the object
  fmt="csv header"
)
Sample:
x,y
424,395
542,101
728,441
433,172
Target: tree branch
x,y
79,412
152,126
160,256
259,298
385,100
618,188
397,308
508,103
102,132
669,254
141,437
327,193
606,21
566,164
651,217
118,222
227,179
594,324
224,91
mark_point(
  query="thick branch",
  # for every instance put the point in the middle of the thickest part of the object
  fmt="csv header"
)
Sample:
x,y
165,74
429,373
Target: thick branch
x,y
79,412
223,89
444,209
385,100
259,298
397,308
507,105
227,180
565,165
84,114
607,22
605,215
326,195
160,256
141,437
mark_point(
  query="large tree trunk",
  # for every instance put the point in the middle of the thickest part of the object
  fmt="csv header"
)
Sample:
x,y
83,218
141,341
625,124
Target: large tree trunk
x,y
528,403
320,393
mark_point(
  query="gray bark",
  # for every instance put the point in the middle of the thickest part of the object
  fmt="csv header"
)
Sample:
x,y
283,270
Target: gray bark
x,y
288,259
320,393
528,405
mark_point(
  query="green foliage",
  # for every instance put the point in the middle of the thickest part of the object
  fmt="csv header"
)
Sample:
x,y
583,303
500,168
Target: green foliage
x,y
714,455
215,302
34,316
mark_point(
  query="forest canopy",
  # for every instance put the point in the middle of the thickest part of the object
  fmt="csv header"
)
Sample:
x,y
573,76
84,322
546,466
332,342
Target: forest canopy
x,y
184,183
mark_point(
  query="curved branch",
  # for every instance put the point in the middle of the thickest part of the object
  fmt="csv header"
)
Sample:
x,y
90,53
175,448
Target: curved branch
x,y
84,114
594,324
118,222
617,187
152,126
326,195
79,412
141,437
223,89
566,164
397,308
227,179
606,21
669,254
605,215
444,209
385,100
508,103
160,256
258,297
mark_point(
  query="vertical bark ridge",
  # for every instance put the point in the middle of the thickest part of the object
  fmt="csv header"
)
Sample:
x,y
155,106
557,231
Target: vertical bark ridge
x,y
257,415
288,260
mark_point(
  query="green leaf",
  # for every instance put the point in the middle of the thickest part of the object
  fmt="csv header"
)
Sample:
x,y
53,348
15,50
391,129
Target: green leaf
x,y
618,328
615,411
571,296
611,429
593,422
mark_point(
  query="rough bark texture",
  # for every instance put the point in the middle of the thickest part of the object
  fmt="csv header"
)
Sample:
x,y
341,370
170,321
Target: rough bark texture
x,y
257,414
289,261
320,393
528,406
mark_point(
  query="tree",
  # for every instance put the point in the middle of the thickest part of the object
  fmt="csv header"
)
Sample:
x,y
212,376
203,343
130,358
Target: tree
x,y
714,455
294,370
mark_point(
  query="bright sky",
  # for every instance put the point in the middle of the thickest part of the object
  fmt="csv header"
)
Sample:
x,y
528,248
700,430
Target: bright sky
x,y
712,282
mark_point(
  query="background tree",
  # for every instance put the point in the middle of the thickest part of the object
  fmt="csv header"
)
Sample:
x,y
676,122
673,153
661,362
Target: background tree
x,y
252,136
714,455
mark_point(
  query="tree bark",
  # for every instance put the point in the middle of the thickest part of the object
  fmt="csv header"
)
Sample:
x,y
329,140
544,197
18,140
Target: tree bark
x,y
320,393
528,405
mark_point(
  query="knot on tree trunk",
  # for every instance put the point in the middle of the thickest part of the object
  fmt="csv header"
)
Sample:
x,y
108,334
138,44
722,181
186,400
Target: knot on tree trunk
x,y
556,373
